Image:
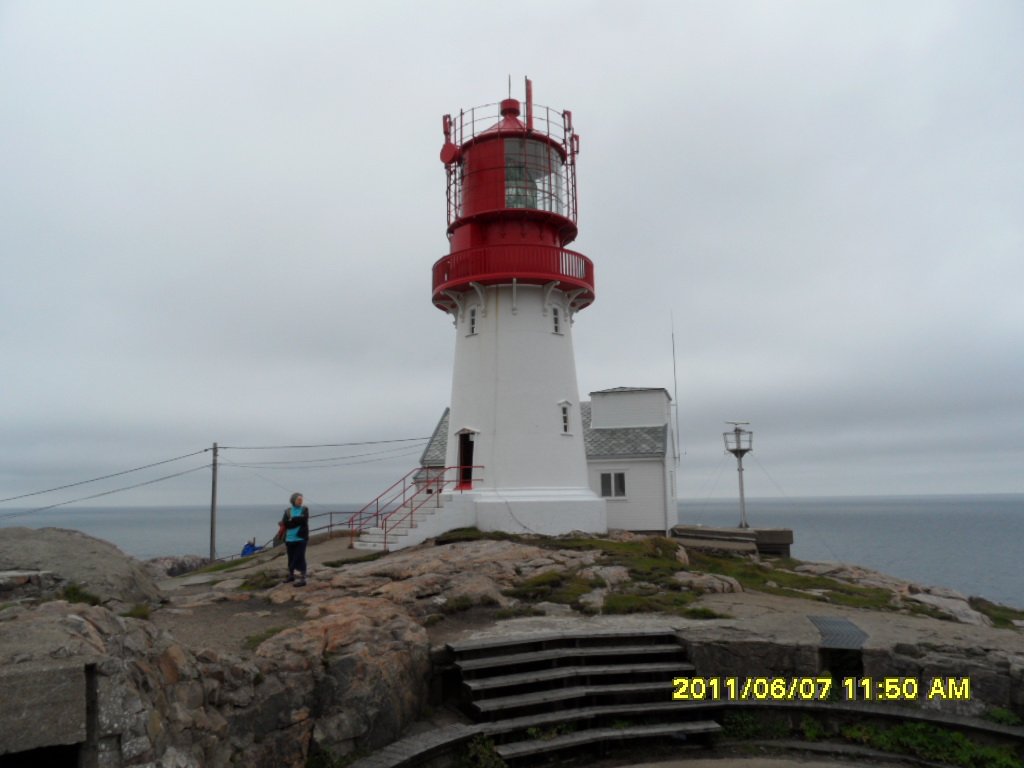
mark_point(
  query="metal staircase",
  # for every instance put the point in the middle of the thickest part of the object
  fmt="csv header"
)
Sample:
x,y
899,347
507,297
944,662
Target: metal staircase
x,y
410,510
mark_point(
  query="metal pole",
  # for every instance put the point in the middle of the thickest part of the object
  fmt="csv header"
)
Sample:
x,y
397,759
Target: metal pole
x,y
213,508
743,503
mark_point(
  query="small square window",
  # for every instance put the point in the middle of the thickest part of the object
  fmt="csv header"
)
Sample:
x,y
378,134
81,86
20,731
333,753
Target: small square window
x,y
613,485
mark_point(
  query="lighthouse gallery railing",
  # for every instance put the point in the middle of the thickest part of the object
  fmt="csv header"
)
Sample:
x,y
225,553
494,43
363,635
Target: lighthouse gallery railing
x,y
501,263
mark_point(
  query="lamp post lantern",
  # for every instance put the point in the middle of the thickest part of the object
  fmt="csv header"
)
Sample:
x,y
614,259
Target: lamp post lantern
x,y
739,442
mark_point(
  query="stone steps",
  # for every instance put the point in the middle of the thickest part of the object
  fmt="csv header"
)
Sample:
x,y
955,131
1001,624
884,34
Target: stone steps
x,y
570,692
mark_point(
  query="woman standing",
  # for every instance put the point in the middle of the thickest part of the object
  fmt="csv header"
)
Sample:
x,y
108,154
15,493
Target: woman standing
x,y
296,535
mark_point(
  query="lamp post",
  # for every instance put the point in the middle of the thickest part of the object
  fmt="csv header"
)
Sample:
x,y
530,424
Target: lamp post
x,y
739,442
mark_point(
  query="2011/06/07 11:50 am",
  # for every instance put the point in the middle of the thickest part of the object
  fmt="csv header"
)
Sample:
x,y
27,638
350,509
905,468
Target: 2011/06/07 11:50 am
x,y
819,688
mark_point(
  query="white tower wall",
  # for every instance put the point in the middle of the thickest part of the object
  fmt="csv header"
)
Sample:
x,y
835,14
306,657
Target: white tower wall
x,y
514,373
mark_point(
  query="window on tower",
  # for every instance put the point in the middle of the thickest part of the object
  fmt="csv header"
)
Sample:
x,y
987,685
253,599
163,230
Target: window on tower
x,y
556,320
472,321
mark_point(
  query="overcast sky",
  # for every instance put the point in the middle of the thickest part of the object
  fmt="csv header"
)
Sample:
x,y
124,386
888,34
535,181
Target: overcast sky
x,y
217,222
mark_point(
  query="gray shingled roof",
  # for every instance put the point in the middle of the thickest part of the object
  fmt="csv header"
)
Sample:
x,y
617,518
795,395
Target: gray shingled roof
x,y
436,450
622,442
606,443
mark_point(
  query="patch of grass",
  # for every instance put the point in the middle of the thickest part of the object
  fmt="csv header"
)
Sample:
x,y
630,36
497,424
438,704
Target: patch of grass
x,y
812,728
138,611
1001,716
74,593
226,565
555,586
321,757
457,604
432,619
778,581
369,557
473,534
547,734
252,642
518,611
1001,615
676,603
929,742
751,725
479,753
261,580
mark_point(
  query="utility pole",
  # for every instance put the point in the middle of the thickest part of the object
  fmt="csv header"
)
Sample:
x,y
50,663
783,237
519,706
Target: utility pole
x,y
739,442
213,508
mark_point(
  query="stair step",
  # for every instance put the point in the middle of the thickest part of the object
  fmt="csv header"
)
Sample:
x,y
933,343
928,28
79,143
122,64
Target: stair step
x,y
540,698
565,641
646,710
552,654
563,673
532,747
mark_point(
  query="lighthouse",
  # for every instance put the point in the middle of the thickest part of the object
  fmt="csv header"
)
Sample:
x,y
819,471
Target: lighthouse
x,y
512,288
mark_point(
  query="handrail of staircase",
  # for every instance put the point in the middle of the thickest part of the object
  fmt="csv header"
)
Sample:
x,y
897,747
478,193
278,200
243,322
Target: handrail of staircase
x,y
426,480
438,483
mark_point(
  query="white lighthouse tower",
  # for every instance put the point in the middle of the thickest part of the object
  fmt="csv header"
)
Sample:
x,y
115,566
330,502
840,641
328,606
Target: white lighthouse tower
x,y
513,289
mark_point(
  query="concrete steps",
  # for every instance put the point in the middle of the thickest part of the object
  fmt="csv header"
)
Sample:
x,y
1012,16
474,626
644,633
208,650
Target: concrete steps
x,y
560,693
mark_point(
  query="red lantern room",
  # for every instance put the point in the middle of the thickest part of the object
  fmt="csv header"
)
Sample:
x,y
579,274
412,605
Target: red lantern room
x,y
511,203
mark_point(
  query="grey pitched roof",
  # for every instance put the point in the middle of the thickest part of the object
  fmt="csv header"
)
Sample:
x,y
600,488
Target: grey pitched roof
x,y
437,448
631,389
622,442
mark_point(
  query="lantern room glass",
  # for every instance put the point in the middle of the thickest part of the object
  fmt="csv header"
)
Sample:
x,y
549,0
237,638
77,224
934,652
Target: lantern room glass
x,y
534,177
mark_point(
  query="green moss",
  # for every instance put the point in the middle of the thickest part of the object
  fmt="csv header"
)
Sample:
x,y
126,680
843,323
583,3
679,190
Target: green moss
x,y
457,604
565,587
261,580
367,558
677,603
479,753
74,593
226,565
1001,615
474,534
1001,716
138,611
252,642
518,611
779,581
754,725
933,743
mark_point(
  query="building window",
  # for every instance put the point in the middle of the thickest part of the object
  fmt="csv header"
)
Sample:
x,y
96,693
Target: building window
x,y
556,320
565,419
472,320
613,485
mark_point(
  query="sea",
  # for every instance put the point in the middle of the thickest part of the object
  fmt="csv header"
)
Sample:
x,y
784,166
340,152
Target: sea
x,y
973,544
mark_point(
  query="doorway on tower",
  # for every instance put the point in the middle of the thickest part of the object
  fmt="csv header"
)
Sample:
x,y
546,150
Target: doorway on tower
x,y
466,440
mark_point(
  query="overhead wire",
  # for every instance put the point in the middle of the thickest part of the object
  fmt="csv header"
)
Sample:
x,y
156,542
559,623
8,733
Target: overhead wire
x,y
322,445
398,450
104,477
104,493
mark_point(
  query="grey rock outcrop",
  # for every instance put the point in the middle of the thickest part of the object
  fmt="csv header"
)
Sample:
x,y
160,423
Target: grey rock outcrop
x,y
51,559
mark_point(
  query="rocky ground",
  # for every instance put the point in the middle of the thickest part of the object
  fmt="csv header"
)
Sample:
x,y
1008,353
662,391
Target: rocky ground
x,y
234,660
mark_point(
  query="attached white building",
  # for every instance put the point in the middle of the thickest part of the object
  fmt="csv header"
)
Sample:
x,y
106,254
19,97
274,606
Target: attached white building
x,y
630,442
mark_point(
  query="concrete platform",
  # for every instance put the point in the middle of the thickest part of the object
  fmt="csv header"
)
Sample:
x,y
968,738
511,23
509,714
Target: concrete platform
x,y
772,542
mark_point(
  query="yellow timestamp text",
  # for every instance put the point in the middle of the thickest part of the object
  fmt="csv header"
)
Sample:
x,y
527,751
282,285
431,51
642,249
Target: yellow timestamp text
x,y
819,689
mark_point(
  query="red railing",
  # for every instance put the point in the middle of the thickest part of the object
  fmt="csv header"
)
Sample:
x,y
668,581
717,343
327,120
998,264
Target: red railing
x,y
525,263
419,489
